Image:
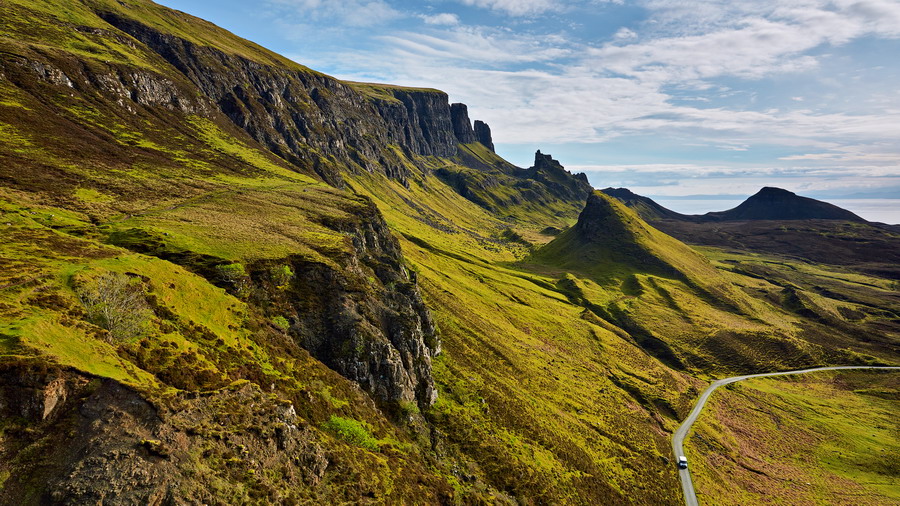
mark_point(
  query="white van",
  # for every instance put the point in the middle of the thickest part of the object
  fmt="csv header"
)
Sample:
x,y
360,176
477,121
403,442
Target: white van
x,y
682,462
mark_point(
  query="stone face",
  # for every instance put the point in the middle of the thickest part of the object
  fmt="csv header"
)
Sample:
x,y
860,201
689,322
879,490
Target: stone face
x,y
104,444
462,126
562,182
302,115
421,121
366,320
483,134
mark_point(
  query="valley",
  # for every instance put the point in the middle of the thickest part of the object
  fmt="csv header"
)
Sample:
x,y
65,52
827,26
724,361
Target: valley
x,y
226,278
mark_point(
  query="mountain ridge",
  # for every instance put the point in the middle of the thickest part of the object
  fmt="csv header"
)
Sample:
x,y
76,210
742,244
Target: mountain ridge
x,y
769,203
314,307
781,222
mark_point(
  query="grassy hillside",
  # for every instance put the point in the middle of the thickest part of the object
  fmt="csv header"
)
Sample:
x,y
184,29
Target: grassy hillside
x,y
236,275
821,438
535,391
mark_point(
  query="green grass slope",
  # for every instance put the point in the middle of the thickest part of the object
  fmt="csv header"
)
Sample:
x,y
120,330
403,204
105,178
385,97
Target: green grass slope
x,y
699,314
564,369
823,438
539,397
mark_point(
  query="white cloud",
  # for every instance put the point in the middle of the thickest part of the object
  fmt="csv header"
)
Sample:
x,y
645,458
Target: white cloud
x,y
472,46
444,18
358,13
664,79
625,33
517,7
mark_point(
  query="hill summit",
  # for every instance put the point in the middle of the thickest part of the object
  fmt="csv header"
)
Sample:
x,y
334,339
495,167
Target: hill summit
x,y
769,203
772,203
611,240
646,207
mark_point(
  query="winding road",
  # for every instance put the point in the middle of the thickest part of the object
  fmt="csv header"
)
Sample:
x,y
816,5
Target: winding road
x,y
690,496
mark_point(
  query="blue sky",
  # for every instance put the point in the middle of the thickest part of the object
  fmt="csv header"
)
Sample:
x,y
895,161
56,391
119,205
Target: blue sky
x,y
668,97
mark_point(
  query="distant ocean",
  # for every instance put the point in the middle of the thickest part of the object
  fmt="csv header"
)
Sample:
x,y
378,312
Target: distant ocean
x,y
883,210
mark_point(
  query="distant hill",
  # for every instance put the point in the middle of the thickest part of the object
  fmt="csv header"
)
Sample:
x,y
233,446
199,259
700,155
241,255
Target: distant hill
x,y
777,204
781,222
768,203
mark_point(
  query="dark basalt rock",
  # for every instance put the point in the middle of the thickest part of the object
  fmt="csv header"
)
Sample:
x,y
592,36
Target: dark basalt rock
x,y
308,118
483,134
366,319
420,122
462,127
563,183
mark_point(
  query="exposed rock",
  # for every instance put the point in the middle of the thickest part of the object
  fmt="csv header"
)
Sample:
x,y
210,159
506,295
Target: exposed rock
x,y
421,121
563,183
483,134
107,445
34,393
49,73
124,85
462,126
367,319
305,117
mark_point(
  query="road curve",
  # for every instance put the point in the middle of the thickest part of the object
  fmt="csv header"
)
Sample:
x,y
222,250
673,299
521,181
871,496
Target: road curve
x,y
690,497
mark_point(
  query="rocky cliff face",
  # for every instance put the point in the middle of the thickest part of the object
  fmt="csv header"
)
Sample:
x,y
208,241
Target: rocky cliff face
x,y
418,120
365,319
462,126
74,439
307,117
483,134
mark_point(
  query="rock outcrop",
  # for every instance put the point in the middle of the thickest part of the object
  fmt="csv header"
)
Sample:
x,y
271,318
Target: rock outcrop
x,y
483,134
366,319
418,120
104,443
462,126
563,183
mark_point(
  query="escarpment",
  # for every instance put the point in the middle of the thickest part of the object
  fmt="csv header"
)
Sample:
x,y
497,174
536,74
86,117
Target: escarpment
x,y
309,118
462,126
364,318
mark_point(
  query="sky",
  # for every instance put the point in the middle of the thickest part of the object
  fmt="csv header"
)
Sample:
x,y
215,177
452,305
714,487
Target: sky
x,y
673,99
